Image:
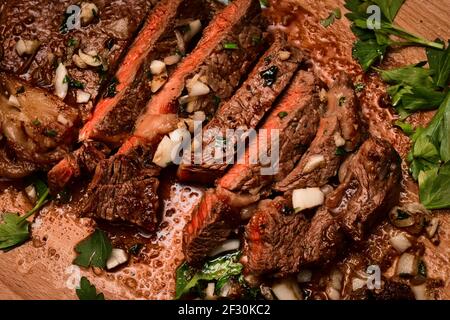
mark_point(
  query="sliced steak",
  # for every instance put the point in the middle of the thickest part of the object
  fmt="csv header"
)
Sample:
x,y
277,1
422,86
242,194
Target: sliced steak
x,y
340,131
278,241
124,189
108,33
81,161
295,119
160,118
370,188
391,291
210,226
244,111
209,60
117,111
273,239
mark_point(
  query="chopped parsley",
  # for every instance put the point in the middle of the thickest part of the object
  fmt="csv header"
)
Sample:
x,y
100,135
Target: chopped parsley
x,y
342,101
94,250
340,151
111,90
231,46
282,114
335,14
20,90
359,86
36,122
73,83
87,291
51,133
72,42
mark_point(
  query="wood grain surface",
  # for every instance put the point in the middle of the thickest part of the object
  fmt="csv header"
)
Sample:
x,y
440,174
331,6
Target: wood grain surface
x,y
42,268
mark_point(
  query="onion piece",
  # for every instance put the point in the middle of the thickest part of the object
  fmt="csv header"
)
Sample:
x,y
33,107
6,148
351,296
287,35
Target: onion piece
x,y
163,154
158,81
339,141
180,42
27,47
194,28
83,96
358,283
284,55
171,60
432,227
79,62
117,257
61,119
314,162
420,292
286,289
228,245
61,85
88,11
179,135
210,291
90,60
400,242
157,67
407,265
198,89
307,198
31,192
12,101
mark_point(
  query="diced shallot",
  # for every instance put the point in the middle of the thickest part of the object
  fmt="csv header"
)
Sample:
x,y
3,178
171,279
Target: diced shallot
x,y
303,199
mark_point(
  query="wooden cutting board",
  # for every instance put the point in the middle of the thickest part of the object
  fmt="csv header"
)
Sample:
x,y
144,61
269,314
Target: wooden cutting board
x,y
42,268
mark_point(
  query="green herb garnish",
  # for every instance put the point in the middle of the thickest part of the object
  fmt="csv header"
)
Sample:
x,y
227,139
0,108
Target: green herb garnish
x,y
269,76
231,46
218,269
374,37
15,229
87,291
340,151
36,122
72,42
20,90
111,90
282,114
51,133
94,250
335,14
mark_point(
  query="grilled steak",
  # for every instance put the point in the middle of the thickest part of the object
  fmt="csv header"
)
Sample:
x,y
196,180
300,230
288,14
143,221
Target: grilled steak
x,y
244,111
160,118
244,184
273,239
210,226
340,131
295,118
370,188
81,161
391,291
107,32
114,116
124,189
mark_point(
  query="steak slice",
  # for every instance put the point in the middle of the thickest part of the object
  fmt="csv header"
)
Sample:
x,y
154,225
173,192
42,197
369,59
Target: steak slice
x,y
109,34
243,111
279,242
295,119
370,188
160,118
114,116
124,189
75,164
274,239
340,131
210,226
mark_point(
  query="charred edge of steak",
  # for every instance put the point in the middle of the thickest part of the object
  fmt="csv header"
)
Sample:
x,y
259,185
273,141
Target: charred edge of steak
x,y
212,223
80,162
296,117
246,108
274,240
124,189
117,124
340,131
370,188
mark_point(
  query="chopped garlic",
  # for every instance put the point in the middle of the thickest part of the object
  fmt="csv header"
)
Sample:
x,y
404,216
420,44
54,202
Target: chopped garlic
x,y
284,55
61,83
157,67
90,60
28,47
12,101
303,199
118,257
314,162
171,60
83,96
88,11
338,140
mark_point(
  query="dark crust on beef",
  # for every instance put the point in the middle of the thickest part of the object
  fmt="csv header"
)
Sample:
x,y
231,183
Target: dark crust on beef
x,y
119,121
124,189
296,117
391,291
273,243
245,110
21,19
370,188
342,118
211,224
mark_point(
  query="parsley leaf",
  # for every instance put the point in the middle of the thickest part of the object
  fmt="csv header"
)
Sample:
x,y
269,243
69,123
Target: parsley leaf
x,y
15,229
87,291
435,187
375,38
219,269
94,250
